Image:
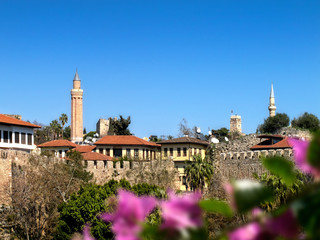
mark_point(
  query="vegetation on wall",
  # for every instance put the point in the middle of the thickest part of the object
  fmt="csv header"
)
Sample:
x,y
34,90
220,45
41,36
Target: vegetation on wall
x,y
306,121
273,124
119,126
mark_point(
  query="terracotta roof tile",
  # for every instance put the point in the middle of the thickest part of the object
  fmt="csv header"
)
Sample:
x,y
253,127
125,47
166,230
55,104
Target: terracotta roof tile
x,y
85,148
266,144
125,140
92,156
58,143
184,140
13,121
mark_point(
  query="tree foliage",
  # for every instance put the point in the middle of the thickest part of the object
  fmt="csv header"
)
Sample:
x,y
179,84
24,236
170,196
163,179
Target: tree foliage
x,y
119,126
38,188
273,124
85,206
199,172
306,121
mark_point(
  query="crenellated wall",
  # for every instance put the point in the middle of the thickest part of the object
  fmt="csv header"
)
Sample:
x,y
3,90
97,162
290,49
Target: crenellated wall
x,y
255,154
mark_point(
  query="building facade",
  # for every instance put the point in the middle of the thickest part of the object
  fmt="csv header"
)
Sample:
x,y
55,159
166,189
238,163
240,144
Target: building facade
x,y
76,110
16,134
58,147
181,150
128,146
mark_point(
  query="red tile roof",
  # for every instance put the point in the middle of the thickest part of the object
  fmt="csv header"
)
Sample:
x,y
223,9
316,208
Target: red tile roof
x,y
267,144
58,143
184,140
84,148
125,140
13,121
92,156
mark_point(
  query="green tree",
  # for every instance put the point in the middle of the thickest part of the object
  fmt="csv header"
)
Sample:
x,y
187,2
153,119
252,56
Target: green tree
x,y
55,129
119,126
199,172
89,134
273,124
67,133
90,201
306,121
63,120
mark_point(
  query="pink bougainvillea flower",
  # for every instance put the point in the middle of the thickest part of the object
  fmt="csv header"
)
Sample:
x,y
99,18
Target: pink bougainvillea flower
x,y
251,231
86,233
300,156
130,214
285,225
181,212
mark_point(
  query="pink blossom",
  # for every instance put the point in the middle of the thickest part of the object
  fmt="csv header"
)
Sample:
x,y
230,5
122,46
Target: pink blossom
x,y
251,231
86,233
300,155
130,214
180,212
284,225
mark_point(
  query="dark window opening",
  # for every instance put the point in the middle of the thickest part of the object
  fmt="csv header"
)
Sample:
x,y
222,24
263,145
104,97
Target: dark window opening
x,y
171,152
179,152
5,136
23,138
117,152
29,139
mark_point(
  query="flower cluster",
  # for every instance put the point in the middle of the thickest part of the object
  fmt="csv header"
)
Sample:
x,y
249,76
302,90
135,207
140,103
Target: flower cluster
x,y
178,213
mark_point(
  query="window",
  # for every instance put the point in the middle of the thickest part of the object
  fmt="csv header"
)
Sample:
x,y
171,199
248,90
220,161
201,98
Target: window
x,y
128,153
95,164
101,150
5,136
29,139
117,152
108,151
11,137
16,137
171,152
23,138
143,156
60,152
165,152
0,136
136,153
105,164
179,152
184,152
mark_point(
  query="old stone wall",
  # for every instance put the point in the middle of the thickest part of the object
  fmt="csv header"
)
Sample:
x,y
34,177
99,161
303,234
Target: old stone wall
x,y
238,145
160,172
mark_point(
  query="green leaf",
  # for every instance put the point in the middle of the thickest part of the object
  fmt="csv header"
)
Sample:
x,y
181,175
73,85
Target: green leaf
x,y
216,206
282,168
247,199
314,150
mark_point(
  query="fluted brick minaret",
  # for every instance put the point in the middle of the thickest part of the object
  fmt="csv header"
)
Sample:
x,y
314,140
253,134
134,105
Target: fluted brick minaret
x,y
76,110
272,105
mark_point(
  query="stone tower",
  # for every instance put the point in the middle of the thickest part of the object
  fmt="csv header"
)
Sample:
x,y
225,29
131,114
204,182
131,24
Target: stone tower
x,y
235,123
76,110
272,106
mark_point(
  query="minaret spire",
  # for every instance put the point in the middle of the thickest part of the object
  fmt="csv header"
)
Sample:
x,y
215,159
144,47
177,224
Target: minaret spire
x,y
272,106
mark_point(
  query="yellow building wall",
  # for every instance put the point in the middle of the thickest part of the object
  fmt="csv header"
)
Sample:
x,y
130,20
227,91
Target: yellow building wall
x,y
179,162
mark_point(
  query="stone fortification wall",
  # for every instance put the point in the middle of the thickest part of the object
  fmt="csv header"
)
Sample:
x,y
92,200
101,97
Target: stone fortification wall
x,y
240,165
160,172
293,132
238,145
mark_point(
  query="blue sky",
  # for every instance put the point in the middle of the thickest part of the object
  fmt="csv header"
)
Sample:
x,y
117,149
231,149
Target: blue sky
x,y
160,61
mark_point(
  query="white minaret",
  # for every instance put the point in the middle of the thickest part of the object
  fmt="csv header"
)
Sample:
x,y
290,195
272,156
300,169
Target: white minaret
x,y
272,106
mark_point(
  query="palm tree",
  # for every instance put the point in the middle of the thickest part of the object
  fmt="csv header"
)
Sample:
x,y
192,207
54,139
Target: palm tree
x,y
63,119
198,172
56,128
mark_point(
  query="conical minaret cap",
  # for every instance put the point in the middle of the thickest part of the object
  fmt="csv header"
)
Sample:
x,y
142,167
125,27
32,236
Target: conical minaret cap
x,y
272,92
76,77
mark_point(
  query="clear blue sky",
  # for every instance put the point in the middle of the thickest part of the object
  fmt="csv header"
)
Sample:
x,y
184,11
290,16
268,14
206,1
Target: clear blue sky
x,y
160,61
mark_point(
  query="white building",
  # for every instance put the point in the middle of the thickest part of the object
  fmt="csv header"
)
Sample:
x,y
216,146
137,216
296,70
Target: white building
x,y
16,134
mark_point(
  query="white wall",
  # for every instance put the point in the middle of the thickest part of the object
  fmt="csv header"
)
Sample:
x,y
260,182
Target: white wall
x,y
20,129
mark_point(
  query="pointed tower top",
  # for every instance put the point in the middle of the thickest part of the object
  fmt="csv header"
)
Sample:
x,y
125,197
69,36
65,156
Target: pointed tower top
x,y
272,92
76,76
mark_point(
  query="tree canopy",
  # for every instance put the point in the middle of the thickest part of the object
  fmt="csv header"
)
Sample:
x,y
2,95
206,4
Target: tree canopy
x,y
85,206
306,121
119,126
273,124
